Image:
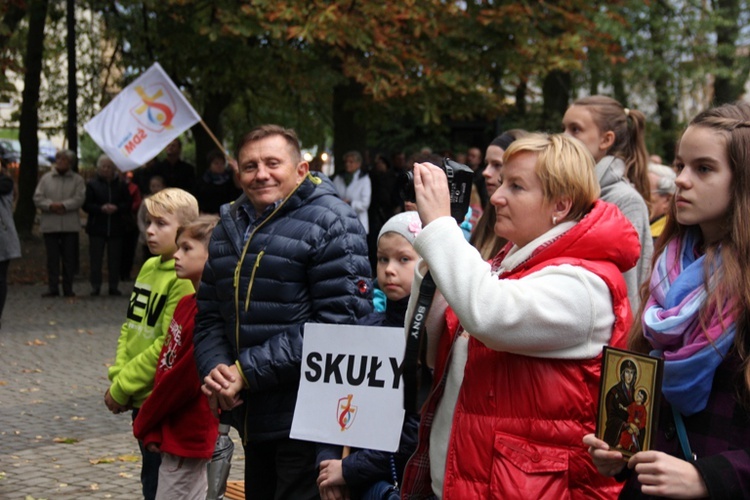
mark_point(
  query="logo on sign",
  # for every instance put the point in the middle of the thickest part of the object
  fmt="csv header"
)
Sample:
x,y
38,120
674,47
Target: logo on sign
x,y
156,110
345,412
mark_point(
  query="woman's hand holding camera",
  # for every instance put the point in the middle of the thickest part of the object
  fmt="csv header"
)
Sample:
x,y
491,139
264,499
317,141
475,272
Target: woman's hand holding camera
x,y
431,189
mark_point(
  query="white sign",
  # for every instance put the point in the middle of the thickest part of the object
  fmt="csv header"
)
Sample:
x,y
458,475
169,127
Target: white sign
x,y
351,389
145,116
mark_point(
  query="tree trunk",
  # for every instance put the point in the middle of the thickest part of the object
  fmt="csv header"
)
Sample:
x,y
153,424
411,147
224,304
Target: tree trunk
x,y
29,122
349,133
214,106
728,85
520,105
662,78
72,126
618,84
556,94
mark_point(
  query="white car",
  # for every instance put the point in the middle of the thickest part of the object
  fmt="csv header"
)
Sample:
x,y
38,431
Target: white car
x,y
10,151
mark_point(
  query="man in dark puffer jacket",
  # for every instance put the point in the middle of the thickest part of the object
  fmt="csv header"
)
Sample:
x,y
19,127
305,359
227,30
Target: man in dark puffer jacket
x,y
287,252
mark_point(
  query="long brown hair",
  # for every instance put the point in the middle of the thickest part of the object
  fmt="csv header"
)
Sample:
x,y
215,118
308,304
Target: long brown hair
x,y
733,245
629,127
483,237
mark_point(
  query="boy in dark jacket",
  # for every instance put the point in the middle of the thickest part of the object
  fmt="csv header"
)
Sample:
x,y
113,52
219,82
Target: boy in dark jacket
x,y
372,474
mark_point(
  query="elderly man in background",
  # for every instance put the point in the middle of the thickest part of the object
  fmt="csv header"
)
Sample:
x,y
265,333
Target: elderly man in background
x,y
662,180
107,202
59,195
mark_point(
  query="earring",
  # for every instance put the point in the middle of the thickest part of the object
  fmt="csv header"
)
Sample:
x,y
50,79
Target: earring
x,y
554,220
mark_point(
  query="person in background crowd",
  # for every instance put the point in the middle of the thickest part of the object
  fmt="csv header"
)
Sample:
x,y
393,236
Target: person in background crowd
x,y
483,235
59,196
694,315
518,357
142,176
107,199
663,187
354,187
288,252
174,170
613,134
385,202
216,186
130,236
10,246
474,161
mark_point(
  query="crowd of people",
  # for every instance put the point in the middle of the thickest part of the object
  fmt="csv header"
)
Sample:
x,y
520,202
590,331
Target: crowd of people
x,y
577,242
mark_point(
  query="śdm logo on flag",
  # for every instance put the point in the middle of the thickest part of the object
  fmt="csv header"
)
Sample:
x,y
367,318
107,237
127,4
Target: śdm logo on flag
x,y
145,116
157,108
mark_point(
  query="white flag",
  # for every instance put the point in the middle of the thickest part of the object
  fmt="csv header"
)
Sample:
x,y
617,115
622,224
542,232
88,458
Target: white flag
x,y
146,116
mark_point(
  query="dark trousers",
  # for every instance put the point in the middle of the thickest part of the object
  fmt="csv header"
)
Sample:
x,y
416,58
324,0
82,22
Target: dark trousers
x,y
281,469
61,247
129,244
3,284
96,258
149,469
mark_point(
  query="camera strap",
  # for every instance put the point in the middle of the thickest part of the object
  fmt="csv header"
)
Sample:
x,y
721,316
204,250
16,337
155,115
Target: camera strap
x,y
414,342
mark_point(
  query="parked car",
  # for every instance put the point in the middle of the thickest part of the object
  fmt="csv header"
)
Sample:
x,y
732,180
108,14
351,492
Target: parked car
x,y
48,150
10,154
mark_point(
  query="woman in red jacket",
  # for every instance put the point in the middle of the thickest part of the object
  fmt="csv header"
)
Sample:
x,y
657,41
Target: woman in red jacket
x,y
517,363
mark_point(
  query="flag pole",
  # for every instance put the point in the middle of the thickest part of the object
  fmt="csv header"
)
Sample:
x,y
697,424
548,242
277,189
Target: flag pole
x,y
216,141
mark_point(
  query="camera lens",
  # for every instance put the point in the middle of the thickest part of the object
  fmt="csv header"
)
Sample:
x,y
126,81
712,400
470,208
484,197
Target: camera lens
x,y
406,181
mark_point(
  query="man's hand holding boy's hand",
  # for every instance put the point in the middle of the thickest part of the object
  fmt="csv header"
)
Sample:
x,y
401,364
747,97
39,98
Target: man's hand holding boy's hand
x,y
222,386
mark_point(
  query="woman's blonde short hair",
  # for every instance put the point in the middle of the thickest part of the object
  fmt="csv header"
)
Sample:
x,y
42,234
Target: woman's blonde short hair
x,y
173,201
565,168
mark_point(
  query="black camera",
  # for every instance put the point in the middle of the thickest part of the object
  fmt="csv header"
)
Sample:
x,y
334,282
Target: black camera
x,y
460,178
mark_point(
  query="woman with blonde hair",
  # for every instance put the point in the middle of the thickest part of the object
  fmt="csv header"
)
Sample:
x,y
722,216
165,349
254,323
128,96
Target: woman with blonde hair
x,y
518,357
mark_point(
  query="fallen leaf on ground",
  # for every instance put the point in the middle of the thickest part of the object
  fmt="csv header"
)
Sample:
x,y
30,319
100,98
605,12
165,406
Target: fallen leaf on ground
x,y
36,342
50,336
78,418
94,487
125,475
103,460
65,440
3,382
128,458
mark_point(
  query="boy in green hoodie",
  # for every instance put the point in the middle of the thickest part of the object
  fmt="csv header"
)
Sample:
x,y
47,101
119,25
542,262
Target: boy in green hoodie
x,y
156,292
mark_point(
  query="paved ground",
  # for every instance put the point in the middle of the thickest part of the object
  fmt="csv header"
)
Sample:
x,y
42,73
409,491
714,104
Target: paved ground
x,y
57,439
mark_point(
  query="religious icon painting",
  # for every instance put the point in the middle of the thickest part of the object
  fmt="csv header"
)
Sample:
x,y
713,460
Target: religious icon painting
x,y
629,395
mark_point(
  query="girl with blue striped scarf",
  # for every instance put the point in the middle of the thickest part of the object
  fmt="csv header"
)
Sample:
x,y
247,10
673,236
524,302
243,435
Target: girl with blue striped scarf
x,y
694,316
